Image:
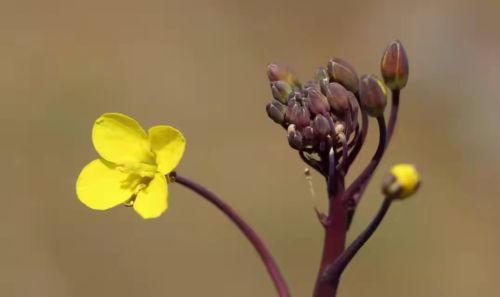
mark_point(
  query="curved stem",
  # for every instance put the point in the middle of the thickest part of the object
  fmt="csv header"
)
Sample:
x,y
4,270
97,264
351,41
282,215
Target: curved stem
x,y
360,182
333,272
265,255
359,143
394,115
355,138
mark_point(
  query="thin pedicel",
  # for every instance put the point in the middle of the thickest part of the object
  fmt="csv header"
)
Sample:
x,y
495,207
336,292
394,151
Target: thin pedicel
x,y
265,255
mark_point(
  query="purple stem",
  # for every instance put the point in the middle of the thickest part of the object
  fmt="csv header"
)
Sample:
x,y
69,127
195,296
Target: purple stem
x,y
358,184
333,272
394,115
335,230
357,147
265,255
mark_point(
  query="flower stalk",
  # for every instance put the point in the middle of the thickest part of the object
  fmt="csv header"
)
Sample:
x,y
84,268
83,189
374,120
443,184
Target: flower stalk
x,y
257,243
323,123
332,273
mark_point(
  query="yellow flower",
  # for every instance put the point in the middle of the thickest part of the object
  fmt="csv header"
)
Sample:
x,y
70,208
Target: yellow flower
x,y
132,166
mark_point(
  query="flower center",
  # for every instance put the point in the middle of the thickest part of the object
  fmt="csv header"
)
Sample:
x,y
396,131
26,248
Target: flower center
x,y
141,169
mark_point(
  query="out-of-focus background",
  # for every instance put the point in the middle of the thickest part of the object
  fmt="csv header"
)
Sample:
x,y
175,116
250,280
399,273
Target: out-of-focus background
x,y
200,66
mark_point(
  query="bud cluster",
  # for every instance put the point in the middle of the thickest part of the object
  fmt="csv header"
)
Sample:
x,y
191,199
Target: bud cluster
x,y
320,115
324,114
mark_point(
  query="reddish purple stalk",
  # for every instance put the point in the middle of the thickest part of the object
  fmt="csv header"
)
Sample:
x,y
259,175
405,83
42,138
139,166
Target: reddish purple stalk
x,y
265,255
336,269
335,230
335,257
394,114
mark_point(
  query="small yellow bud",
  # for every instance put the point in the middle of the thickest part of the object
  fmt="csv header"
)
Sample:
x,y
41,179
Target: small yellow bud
x,y
402,181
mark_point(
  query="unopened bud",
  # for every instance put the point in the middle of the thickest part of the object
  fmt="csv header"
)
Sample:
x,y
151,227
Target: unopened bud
x,y
296,95
276,111
321,126
318,104
295,139
308,134
372,95
394,66
276,72
342,72
322,79
338,98
353,102
288,110
281,91
300,116
402,181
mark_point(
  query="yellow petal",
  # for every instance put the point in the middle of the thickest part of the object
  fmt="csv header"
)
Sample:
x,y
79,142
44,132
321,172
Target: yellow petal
x,y
407,178
121,140
151,201
168,144
100,186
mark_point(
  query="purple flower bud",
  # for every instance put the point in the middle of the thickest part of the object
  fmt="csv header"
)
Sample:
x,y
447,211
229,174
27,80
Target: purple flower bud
x,y
289,115
276,73
322,79
317,103
276,111
372,95
353,102
321,126
342,72
308,134
281,91
338,98
394,66
300,116
295,139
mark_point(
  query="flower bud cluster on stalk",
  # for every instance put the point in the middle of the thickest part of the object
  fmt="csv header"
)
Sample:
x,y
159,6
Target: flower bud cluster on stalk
x,y
327,121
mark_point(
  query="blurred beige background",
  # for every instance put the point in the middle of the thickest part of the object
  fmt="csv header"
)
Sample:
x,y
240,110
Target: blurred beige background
x,y
200,66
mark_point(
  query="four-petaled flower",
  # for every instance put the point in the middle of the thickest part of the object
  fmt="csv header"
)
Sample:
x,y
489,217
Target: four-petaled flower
x,y
132,165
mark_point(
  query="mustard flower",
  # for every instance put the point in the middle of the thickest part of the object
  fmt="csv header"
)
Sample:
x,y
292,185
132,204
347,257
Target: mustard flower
x,y
132,167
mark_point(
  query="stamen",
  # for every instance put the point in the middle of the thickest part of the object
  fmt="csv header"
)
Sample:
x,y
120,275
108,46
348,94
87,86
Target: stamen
x,y
139,187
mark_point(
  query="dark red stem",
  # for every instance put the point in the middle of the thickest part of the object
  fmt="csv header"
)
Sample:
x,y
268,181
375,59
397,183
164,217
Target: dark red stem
x,y
335,231
353,192
359,143
265,255
394,115
333,272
